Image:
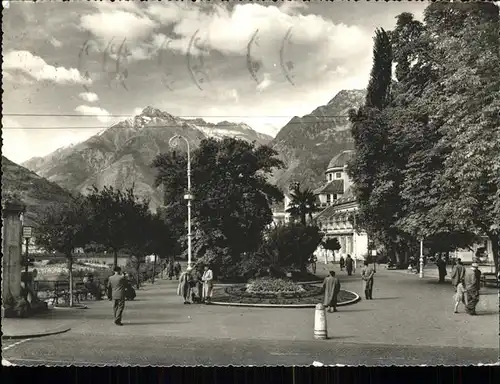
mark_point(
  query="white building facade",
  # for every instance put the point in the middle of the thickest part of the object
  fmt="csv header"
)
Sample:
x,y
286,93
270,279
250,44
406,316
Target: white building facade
x,y
338,218
280,214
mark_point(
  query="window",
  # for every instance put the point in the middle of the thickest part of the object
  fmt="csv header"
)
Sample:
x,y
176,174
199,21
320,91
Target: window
x,y
338,175
330,177
328,198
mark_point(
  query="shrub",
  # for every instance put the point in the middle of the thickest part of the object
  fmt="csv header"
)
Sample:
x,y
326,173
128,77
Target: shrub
x,y
291,245
273,285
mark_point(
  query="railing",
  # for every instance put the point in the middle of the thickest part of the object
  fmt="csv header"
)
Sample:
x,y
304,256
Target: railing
x,y
55,290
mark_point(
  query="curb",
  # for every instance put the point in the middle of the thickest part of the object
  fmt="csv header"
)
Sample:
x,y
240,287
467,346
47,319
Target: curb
x,y
68,308
241,284
35,335
296,306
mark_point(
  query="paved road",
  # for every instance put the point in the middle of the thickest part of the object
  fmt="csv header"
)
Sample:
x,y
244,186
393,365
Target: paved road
x,y
148,350
409,322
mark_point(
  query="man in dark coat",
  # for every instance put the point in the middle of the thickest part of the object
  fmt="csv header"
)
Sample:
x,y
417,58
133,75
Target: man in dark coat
x,y
170,269
117,284
349,264
472,281
441,265
457,274
332,287
367,274
177,269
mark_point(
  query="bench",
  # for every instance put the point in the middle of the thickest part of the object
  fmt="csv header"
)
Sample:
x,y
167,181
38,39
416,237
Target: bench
x,y
58,289
489,277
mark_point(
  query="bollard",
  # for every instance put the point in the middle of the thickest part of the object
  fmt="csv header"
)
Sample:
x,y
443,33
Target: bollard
x,y
320,332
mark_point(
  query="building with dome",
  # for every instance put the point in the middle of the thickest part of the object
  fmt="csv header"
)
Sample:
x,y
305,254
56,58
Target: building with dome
x,y
338,217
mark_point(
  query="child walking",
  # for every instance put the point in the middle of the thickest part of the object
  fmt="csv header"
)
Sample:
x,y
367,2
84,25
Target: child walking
x,y
460,296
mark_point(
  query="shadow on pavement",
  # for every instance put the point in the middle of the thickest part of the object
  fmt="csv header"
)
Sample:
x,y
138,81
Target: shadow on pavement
x,y
155,323
386,298
340,310
333,338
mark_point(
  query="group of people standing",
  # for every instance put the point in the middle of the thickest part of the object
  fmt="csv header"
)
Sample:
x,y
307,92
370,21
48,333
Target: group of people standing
x,y
348,264
173,269
466,284
195,287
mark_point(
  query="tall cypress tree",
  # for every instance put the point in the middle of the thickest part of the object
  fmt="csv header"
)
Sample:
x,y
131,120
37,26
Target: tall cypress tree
x,y
378,92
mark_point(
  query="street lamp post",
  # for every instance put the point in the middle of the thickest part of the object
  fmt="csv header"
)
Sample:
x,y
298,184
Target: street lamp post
x,y
421,275
188,196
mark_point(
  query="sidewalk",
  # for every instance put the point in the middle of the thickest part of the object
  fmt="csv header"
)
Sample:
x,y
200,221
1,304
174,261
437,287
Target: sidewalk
x,y
36,326
406,310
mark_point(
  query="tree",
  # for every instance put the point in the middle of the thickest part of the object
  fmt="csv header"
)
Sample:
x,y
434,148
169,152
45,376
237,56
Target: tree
x,y
468,58
451,177
302,203
291,245
439,133
376,177
114,216
331,244
63,228
378,91
158,241
232,196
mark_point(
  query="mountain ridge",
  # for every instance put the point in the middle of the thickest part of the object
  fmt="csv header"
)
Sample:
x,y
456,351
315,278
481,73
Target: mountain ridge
x,y
121,155
35,191
306,144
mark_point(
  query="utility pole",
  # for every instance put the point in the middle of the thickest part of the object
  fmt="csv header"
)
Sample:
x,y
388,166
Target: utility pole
x,y
188,196
421,275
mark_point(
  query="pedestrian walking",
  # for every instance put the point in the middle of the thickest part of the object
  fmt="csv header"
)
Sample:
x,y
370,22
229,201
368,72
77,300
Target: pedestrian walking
x,y
349,263
184,287
441,265
342,263
457,273
116,287
472,280
196,286
314,260
460,296
170,269
177,269
331,285
207,279
367,274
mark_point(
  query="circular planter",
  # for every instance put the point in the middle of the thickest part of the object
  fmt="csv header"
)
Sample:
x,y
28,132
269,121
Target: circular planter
x,y
345,298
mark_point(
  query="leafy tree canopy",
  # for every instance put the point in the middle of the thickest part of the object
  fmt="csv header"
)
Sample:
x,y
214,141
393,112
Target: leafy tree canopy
x,y
232,197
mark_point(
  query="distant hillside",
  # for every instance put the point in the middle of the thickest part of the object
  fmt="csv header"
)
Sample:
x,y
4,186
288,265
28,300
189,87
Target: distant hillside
x,y
35,191
306,144
121,155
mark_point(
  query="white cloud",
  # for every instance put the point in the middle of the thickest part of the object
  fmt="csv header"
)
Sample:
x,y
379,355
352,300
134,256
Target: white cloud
x,y
137,111
89,97
101,114
292,7
314,41
265,83
118,24
36,68
56,43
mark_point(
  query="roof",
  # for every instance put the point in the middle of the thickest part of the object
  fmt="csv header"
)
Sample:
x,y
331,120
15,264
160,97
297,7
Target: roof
x,y
334,186
335,209
341,159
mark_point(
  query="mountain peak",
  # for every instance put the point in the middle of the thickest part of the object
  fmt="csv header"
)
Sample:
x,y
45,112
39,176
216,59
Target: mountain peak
x,y
349,95
154,112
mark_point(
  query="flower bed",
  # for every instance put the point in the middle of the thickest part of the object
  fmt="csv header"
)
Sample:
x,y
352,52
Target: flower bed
x,y
273,286
276,291
232,295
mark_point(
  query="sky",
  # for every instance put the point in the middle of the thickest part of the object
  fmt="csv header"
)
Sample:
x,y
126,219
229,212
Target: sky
x,y
72,69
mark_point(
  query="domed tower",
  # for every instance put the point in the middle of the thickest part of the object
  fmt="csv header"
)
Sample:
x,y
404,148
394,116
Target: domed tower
x,y
337,180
